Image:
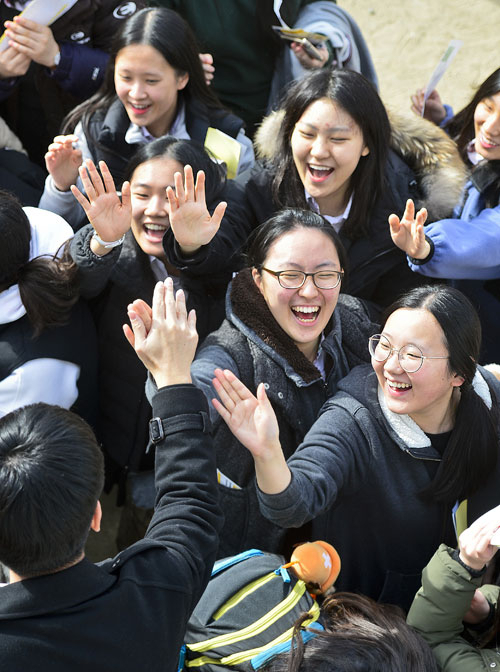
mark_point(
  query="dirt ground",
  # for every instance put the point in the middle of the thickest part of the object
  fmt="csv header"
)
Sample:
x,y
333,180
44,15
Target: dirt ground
x,y
408,37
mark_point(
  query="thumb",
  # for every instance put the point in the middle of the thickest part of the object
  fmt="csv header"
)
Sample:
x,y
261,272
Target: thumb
x,y
394,223
138,329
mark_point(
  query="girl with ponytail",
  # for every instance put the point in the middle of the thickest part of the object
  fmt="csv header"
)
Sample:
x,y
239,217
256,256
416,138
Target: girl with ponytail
x,y
401,459
47,340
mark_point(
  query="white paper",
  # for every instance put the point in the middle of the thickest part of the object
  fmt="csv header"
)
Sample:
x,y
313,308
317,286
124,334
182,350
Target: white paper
x,y
44,12
443,65
277,7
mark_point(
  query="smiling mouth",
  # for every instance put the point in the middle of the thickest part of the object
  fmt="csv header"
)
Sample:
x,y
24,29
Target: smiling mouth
x,y
306,314
488,144
319,173
155,231
398,386
139,109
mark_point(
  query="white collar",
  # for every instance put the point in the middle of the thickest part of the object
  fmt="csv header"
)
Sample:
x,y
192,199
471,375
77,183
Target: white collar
x,y
140,135
335,220
408,430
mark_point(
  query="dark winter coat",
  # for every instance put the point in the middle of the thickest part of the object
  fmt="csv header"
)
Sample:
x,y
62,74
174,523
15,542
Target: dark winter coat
x,y
252,345
364,468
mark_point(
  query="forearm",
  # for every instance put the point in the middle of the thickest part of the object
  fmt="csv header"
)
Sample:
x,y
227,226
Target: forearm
x,y
464,249
187,517
93,271
80,70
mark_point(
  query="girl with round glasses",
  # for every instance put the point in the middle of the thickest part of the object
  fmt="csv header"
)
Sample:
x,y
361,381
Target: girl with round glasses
x,y
393,452
287,326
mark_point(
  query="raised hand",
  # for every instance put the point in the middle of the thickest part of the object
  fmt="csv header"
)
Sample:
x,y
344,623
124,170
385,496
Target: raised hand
x,y
110,216
207,63
253,422
434,109
308,62
63,160
190,220
168,349
145,314
33,40
476,549
408,233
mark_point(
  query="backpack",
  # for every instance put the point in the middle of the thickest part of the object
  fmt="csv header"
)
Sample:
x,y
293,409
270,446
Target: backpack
x,y
246,615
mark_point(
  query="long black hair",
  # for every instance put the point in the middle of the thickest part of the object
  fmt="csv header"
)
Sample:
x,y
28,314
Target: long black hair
x,y
186,152
472,450
461,126
359,98
47,284
168,33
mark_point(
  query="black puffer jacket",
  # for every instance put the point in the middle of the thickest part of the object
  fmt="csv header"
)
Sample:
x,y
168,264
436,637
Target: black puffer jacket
x,y
114,281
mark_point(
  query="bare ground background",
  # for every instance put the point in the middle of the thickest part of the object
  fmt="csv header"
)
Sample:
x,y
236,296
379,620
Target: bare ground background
x,y
408,37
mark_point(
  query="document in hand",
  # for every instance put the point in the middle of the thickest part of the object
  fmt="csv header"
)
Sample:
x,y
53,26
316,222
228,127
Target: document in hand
x,y
42,12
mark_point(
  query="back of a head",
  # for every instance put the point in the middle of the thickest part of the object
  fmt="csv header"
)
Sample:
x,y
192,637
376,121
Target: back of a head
x,y
360,636
51,475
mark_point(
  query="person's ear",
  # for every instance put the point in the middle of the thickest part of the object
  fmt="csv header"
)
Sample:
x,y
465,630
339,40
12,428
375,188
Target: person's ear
x,y
257,278
457,380
182,81
365,151
95,523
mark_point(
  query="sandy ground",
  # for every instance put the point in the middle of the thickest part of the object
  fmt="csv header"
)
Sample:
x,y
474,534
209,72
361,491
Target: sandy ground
x,y
408,37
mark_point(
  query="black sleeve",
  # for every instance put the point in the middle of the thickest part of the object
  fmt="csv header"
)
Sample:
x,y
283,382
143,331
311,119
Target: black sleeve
x,y
187,518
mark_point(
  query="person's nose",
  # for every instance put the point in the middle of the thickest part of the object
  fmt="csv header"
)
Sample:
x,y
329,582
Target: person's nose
x,y
319,147
492,124
157,206
392,363
308,289
137,90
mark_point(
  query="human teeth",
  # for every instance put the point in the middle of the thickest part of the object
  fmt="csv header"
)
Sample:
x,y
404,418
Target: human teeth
x,y
401,386
320,168
139,107
155,227
306,309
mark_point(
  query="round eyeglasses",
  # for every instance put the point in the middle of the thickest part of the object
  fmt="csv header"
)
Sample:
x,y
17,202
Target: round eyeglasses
x,y
410,356
295,279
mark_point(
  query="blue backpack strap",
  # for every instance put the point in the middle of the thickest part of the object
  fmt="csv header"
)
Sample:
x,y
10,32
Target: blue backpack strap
x,y
223,564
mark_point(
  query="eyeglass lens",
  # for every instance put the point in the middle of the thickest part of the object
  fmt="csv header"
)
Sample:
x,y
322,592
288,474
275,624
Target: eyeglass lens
x,y
410,357
322,280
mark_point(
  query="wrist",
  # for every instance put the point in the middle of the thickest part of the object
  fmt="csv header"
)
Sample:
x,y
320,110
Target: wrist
x,y
188,250
164,378
473,566
426,255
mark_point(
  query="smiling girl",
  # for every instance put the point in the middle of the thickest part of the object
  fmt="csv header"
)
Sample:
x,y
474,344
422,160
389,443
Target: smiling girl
x,y
154,86
466,246
287,325
120,258
328,149
392,452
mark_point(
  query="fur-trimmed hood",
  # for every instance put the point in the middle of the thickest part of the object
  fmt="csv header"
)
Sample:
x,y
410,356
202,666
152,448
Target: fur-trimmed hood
x,y
426,148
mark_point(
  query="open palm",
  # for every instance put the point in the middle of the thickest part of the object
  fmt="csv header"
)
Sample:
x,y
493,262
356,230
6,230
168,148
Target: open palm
x,y
191,222
250,418
408,233
110,216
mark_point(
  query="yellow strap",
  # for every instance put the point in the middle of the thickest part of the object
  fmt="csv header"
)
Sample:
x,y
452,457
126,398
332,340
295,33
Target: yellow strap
x,y
242,593
242,656
254,628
